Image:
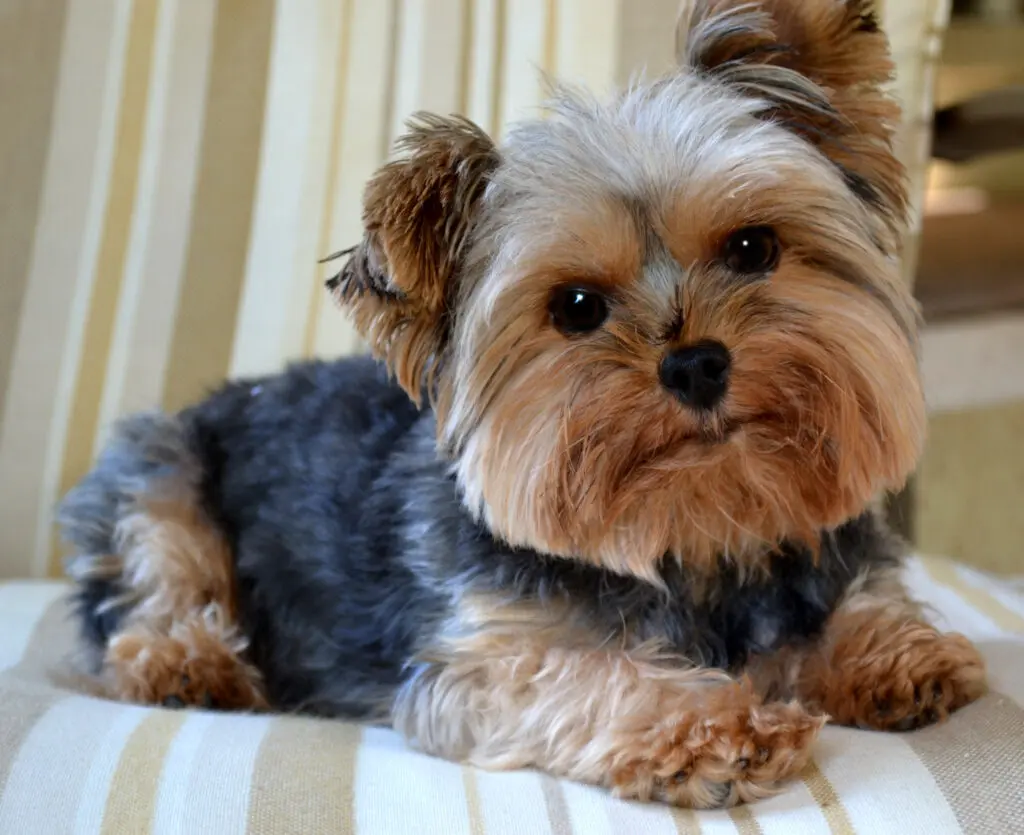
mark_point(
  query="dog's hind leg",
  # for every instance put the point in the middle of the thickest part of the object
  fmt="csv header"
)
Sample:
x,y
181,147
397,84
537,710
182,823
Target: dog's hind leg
x,y
155,581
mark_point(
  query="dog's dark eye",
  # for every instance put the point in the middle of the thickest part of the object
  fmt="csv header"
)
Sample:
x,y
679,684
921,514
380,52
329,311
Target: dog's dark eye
x,y
752,250
577,310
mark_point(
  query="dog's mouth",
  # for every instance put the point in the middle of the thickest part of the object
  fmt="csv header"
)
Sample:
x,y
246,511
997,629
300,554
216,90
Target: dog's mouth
x,y
714,430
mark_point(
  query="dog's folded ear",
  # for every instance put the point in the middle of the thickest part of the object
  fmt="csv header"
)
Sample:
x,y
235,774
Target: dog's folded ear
x,y
822,68
418,211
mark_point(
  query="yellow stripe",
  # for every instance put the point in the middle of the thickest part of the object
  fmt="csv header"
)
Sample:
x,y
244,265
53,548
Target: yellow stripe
x,y
225,190
473,806
466,57
555,805
498,79
685,821
944,571
320,295
92,360
31,51
133,789
828,800
744,821
304,778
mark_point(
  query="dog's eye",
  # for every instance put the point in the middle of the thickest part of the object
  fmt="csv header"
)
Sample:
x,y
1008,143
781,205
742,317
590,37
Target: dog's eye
x,y
752,250
577,310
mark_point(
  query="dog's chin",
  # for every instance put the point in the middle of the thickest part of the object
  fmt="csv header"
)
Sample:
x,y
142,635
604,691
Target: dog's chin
x,y
714,429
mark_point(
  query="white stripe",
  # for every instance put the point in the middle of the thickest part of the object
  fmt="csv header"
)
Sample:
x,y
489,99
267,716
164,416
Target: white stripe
x,y
103,766
22,605
717,823
206,780
884,785
61,276
433,797
629,817
480,103
142,213
429,60
589,40
291,189
946,609
586,809
512,802
171,799
1006,595
146,317
45,782
794,812
525,40
361,142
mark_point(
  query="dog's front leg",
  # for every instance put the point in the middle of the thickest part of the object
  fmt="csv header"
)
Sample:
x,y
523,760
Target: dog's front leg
x,y
878,663
611,717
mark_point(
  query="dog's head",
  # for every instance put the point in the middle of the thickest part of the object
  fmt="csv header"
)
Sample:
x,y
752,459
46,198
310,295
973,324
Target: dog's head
x,y
672,322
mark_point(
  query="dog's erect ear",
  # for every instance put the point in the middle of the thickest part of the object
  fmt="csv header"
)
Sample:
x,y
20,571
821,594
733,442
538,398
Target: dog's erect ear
x,y
417,213
822,66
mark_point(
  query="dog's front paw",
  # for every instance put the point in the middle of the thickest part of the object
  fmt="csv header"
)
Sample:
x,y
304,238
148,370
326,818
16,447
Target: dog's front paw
x,y
721,754
900,676
160,670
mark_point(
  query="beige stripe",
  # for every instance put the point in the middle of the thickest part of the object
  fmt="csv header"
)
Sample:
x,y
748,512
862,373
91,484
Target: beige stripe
x,y
52,771
466,54
396,14
55,304
828,800
744,821
30,44
498,79
22,605
22,709
219,234
95,347
325,244
133,789
46,653
685,821
944,571
361,139
473,806
556,805
975,759
304,774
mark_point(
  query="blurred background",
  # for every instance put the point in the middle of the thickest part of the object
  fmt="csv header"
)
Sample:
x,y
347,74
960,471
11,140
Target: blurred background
x,y
171,170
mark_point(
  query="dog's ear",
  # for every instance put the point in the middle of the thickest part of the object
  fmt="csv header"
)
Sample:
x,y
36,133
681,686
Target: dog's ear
x,y
418,211
822,67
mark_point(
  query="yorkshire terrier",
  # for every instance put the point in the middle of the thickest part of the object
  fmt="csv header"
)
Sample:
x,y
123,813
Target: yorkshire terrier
x,y
608,505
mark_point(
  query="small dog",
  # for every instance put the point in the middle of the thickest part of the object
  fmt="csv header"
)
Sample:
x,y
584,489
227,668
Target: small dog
x,y
631,539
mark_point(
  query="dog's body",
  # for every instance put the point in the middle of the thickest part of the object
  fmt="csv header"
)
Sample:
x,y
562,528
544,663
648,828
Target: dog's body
x,y
351,546
671,368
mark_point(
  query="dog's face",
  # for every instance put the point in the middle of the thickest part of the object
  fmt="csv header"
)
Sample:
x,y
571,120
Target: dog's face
x,y
668,323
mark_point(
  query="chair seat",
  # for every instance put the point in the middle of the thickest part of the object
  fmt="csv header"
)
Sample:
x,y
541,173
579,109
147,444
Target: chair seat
x,y
70,762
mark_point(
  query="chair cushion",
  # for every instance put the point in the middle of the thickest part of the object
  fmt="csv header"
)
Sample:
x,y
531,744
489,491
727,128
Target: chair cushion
x,y
73,763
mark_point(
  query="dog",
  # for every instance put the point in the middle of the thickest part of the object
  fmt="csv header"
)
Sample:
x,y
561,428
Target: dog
x,y
606,503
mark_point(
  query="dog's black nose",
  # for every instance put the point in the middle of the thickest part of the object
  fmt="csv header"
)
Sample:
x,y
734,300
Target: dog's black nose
x,y
698,374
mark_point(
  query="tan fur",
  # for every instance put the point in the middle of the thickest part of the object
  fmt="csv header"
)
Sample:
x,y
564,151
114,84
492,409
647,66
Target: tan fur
x,y
180,640
512,688
878,665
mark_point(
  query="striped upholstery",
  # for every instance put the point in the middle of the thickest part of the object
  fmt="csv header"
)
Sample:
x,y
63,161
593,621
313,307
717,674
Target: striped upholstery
x,y
74,764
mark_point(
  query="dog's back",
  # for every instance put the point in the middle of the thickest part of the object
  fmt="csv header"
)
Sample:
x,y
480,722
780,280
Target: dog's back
x,y
264,511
